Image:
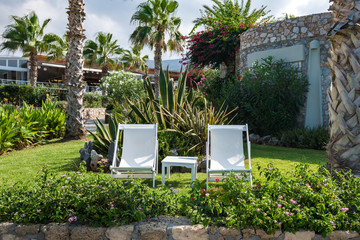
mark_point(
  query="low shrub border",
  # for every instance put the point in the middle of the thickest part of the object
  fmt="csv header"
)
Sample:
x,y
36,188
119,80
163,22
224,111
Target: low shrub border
x,y
301,199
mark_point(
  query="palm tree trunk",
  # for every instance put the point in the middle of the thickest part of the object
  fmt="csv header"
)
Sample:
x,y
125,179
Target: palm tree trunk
x,y
75,112
343,150
33,68
157,63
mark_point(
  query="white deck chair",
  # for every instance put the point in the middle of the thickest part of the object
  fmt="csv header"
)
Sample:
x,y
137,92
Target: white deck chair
x,y
139,156
226,151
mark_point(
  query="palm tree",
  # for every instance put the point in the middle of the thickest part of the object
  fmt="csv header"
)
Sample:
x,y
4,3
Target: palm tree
x,y
27,35
58,49
155,18
75,112
132,59
101,50
343,150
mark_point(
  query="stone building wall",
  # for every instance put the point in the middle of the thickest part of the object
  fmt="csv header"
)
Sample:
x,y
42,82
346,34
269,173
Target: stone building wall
x,y
298,31
162,227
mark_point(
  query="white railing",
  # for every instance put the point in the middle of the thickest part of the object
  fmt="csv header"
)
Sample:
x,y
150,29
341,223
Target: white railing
x,y
49,85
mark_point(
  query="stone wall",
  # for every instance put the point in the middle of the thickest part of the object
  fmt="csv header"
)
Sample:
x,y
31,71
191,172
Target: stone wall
x,y
298,31
162,227
93,113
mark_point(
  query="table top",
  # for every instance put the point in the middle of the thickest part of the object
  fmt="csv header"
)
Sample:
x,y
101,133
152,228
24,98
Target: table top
x,y
179,159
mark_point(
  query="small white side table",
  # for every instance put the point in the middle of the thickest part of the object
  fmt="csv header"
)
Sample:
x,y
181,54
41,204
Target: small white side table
x,y
171,161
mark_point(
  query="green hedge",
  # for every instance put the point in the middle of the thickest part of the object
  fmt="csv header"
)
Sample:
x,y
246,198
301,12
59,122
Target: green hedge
x,y
268,96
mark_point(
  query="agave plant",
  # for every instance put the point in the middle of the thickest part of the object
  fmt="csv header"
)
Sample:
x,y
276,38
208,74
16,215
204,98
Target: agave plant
x,y
105,136
192,121
151,110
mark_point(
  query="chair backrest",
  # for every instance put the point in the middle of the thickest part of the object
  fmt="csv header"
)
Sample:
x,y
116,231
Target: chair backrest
x,y
226,146
139,145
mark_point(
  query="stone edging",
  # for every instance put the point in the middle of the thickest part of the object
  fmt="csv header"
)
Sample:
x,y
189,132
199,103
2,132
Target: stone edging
x,y
162,227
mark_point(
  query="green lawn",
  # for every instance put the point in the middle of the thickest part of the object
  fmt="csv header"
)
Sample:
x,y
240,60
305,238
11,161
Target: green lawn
x,y
63,156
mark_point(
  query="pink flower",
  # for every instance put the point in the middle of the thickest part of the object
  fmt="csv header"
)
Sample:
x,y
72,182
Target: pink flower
x,y
71,219
38,211
258,209
68,178
15,214
279,205
280,223
207,194
112,206
308,185
63,175
62,187
280,197
287,213
270,169
293,201
11,186
344,209
139,208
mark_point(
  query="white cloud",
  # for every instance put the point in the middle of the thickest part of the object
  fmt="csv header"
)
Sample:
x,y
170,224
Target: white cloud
x,y
114,15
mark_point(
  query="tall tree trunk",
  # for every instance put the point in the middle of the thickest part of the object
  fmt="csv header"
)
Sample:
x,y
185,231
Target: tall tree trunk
x,y
343,150
157,63
33,68
75,111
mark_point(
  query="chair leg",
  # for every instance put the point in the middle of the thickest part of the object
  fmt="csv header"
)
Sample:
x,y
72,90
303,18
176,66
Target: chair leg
x,y
153,180
250,179
207,180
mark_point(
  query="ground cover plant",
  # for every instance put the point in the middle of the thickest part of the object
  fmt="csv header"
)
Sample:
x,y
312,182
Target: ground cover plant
x,y
298,199
21,127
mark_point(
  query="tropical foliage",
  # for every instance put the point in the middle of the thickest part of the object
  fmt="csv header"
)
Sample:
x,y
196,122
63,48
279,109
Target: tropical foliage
x,y
27,35
21,127
133,60
101,51
155,19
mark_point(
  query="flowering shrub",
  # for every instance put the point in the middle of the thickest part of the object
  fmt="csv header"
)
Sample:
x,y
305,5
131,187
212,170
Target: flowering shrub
x,y
301,199
214,46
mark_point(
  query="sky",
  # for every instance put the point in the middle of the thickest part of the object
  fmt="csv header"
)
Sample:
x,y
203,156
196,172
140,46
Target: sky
x,y
113,16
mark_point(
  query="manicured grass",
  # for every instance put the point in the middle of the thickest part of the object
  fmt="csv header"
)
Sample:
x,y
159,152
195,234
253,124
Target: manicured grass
x,y
60,156
63,156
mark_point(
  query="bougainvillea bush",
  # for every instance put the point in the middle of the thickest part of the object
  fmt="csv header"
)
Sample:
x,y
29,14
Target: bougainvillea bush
x,y
301,199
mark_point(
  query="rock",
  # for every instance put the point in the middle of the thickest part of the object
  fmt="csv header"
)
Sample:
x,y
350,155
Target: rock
x,y
31,229
85,153
95,158
254,138
261,233
120,233
153,230
111,154
197,232
87,233
247,232
55,231
8,237
342,235
229,232
104,165
265,139
303,235
202,164
274,141
173,152
5,227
